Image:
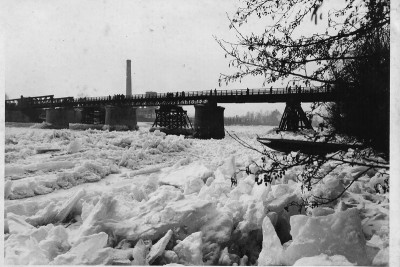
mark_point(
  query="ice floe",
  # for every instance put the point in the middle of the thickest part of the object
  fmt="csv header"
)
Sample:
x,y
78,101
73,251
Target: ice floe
x,y
139,198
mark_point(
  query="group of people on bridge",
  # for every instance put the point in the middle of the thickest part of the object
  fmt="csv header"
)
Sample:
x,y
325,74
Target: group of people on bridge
x,y
177,94
117,97
288,89
297,89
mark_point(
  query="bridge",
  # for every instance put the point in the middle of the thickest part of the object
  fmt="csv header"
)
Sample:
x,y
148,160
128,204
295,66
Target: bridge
x,y
120,109
256,95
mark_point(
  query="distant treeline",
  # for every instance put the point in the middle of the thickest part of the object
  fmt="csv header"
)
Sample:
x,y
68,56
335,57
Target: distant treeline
x,y
259,118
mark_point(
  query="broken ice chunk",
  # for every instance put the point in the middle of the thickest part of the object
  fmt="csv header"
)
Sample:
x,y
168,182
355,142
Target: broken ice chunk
x,y
271,246
17,224
7,188
323,260
158,248
335,234
253,218
74,146
139,253
193,185
36,246
189,250
44,216
219,228
281,202
322,211
382,258
227,259
170,256
65,210
83,251
229,167
102,210
56,242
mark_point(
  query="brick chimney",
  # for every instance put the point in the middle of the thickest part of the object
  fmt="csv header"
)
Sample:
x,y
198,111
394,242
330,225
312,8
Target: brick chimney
x,y
128,78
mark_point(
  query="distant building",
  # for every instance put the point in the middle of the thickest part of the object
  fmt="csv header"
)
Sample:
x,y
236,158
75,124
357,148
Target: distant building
x,y
150,94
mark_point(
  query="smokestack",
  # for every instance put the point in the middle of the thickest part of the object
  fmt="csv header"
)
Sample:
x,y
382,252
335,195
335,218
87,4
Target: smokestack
x,y
128,78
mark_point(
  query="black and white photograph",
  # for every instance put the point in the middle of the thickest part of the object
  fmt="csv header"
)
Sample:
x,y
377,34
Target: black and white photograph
x,y
200,132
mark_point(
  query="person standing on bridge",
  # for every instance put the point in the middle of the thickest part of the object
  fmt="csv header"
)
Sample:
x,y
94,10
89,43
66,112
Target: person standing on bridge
x,y
183,93
270,90
247,91
215,91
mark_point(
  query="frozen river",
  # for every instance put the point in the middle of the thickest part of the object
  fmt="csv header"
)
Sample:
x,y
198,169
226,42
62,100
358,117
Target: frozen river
x,y
140,198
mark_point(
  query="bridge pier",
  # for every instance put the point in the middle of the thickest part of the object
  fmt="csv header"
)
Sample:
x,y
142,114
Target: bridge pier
x,y
16,116
59,118
24,115
209,121
294,118
120,117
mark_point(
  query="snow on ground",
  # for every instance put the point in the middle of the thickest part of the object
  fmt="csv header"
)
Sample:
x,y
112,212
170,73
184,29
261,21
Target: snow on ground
x,y
146,198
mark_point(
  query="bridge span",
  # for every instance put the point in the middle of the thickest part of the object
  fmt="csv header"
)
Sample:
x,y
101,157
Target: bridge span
x,y
256,95
120,109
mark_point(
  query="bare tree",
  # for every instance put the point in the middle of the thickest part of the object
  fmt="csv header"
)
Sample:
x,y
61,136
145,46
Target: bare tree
x,y
335,57
278,52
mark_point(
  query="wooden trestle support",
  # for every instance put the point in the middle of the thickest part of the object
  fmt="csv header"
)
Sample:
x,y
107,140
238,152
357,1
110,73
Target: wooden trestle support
x,y
93,116
294,118
172,118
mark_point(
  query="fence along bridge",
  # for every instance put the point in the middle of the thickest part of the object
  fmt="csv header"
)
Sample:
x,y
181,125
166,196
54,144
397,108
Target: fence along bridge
x,y
257,95
120,109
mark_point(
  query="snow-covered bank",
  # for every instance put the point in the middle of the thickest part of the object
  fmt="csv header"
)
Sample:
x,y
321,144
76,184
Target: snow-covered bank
x,y
139,198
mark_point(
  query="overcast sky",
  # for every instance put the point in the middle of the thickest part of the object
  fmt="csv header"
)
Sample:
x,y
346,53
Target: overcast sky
x,y
75,47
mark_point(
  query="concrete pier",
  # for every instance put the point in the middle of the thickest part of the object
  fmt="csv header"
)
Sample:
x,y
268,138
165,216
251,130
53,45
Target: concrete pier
x,y
59,118
24,115
16,116
120,118
209,121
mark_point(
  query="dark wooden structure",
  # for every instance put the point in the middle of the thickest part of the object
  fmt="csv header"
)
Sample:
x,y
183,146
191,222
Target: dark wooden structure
x,y
172,117
294,118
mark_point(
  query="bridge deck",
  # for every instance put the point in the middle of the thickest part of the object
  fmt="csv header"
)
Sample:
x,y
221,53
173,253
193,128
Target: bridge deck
x,y
258,95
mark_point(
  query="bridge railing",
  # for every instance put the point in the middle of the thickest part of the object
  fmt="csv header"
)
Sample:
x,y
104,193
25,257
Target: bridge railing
x,y
43,100
208,93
